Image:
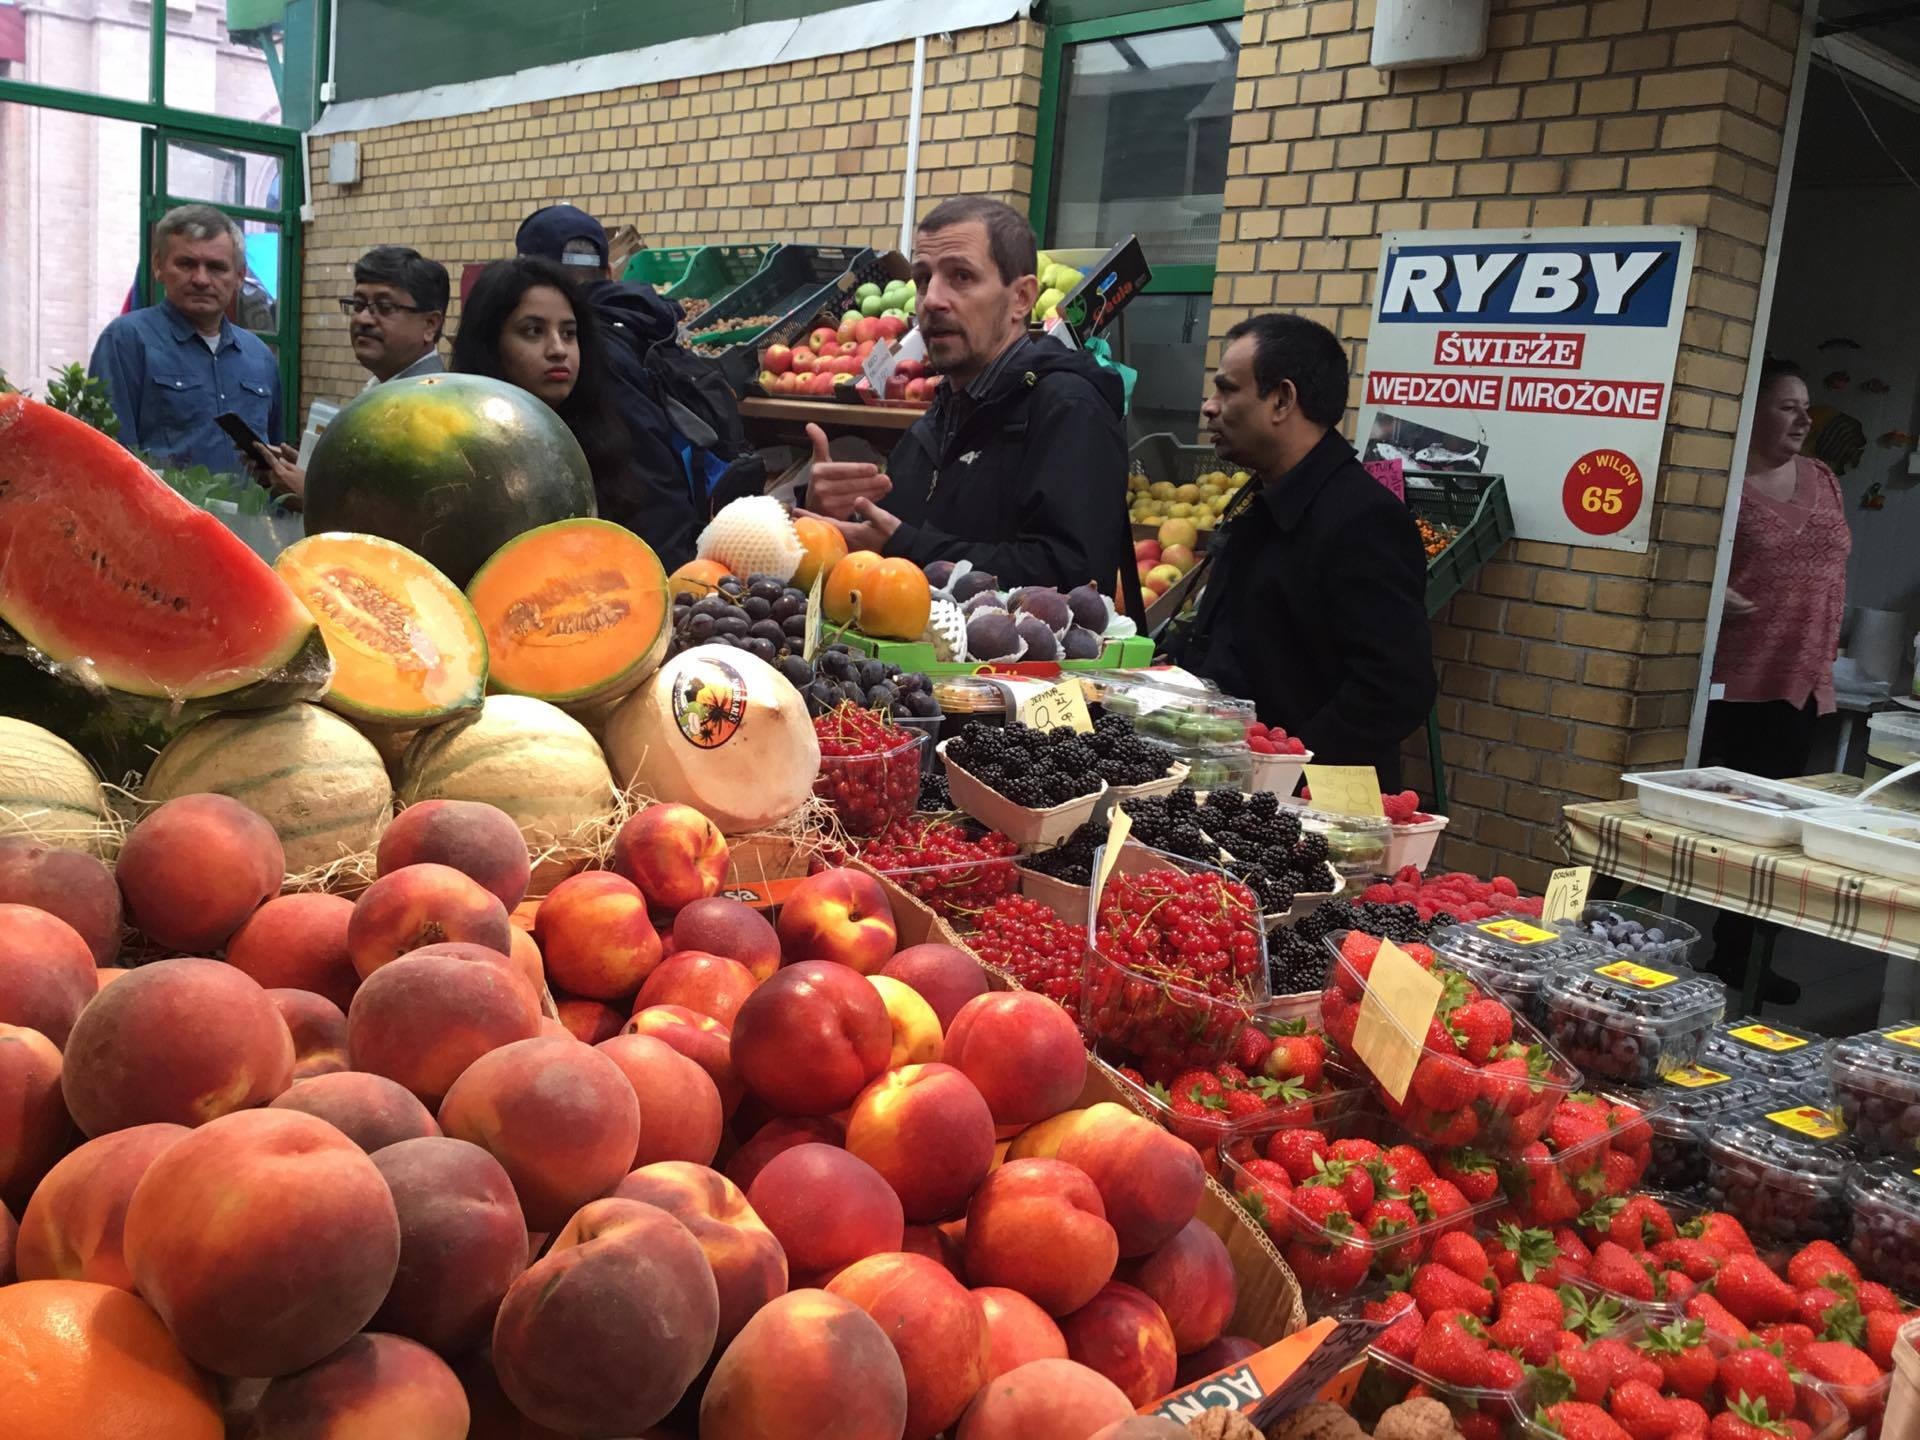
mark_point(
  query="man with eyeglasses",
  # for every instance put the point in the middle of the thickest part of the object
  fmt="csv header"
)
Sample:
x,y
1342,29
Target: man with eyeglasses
x,y
395,317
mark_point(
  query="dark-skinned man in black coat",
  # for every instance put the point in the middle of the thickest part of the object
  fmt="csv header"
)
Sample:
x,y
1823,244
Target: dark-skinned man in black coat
x,y
1316,605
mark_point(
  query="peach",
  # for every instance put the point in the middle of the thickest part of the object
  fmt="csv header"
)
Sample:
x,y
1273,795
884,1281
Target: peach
x,y
916,1029
936,1245
1209,1359
70,884
1143,1427
1122,1333
1018,1331
46,972
559,1116
494,1417
9,1234
826,1208
1042,1141
373,1384
809,1364
424,1019
34,1128
1059,1399
928,1133
1023,1051
604,1334
107,974
595,936
184,1041
839,915
679,1105
420,905
370,1110
479,840
514,962
463,1242
265,1239
673,853
710,984
318,1029
525,952
1191,1279
589,1021
779,1136
1038,1226
812,1038
1149,1180
72,1227
722,925
945,977
749,1267
935,1326
701,1038
195,868
298,942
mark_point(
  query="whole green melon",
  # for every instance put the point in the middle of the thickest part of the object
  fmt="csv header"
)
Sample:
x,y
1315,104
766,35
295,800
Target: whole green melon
x,y
450,466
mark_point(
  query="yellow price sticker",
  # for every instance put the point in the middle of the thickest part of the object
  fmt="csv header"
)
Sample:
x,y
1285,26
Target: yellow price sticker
x,y
1566,893
1057,707
1394,1016
1345,789
1909,1037
1808,1120
1519,932
1638,976
1765,1037
1696,1077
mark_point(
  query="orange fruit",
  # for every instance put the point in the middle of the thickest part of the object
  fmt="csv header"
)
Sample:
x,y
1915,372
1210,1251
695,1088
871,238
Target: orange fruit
x,y
836,598
697,578
893,601
80,1361
825,548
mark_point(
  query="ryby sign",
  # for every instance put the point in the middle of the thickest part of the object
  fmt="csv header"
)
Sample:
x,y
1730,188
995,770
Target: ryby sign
x,y
1545,356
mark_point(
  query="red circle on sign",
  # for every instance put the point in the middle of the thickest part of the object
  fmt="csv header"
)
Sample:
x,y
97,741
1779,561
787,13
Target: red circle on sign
x,y
1603,492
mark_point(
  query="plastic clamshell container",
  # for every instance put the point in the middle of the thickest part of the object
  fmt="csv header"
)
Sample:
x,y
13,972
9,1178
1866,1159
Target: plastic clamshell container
x,y
1512,957
1685,1109
1672,1305
1155,1018
1356,844
1279,774
1876,1086
1016,822
959,891
1211,767
870,792
1287,1224
1782,1174
1510,1117
1162,709
1883,1196
1388,1377
1413,844
1774,1053
1602,920
1867,838
1631,1023
1729,802
1532,1183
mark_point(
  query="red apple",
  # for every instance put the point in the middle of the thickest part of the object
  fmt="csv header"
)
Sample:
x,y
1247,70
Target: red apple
x,y
1146,553
1181,557
825,380
919,390
896,387
892,327
778,359
801,361
865,329
820,337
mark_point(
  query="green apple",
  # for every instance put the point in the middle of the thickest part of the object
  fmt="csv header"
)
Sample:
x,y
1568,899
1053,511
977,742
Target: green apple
x,y
865,290
896,312
872,304
1042,263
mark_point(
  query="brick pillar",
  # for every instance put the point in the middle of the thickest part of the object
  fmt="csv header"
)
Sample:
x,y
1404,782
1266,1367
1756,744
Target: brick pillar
x,y
1561,665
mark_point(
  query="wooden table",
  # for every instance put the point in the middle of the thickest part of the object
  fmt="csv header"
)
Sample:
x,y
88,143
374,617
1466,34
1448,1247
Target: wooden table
x,y
784,421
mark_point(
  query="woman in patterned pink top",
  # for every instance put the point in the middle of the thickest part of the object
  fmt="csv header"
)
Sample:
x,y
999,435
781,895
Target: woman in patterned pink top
x,y
1786,594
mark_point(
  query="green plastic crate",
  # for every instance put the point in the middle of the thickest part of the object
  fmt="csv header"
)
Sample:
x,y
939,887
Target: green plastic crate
x,y
664,266
1479,507
916,656
715,270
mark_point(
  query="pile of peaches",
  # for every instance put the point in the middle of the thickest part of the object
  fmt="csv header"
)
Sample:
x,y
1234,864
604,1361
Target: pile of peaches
x,y
430,1159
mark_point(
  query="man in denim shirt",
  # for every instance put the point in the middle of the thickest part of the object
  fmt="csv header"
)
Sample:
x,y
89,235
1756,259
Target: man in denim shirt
x,y
173,367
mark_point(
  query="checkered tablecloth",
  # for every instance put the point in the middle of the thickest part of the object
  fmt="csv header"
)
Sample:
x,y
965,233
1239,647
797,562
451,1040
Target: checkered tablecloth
x,y
1783,886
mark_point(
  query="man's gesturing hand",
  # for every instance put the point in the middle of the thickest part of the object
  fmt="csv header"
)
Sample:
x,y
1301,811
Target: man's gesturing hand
x,y
835,485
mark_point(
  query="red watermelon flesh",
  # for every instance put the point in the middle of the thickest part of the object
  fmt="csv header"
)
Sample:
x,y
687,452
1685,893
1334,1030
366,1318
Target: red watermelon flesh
x,y
126,584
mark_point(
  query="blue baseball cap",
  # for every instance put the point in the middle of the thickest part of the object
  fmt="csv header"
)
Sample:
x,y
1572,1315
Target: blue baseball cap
x,y
564,234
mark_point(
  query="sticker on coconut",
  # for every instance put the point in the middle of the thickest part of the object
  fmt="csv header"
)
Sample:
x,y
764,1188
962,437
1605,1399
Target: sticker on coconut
x,y
709,702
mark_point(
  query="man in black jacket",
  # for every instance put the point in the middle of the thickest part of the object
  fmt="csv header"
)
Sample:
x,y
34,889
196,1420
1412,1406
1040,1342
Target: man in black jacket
x,y
1020,465
1316,605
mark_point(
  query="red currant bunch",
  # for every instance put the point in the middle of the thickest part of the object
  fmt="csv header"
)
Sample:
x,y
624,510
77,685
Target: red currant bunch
x,y
869,768
954,869
1035,946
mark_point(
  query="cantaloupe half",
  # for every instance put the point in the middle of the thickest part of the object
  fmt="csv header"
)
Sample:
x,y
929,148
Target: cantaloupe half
x,y
575,613
407,649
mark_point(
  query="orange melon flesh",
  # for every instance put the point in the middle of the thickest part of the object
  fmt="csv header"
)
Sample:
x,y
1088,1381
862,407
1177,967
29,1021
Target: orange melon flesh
x,y
406,647
574,612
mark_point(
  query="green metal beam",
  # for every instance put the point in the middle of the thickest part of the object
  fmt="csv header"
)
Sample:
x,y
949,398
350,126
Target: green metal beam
x,y
238,212
157,54
263,42
136,112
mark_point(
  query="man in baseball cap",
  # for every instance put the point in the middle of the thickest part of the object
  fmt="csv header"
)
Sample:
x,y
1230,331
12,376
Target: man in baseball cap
x,y
567,235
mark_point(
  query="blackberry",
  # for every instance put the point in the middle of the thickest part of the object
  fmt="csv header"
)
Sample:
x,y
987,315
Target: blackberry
x,y
1296,963
1263,804
934,795
1072,859
1312,849
1033,768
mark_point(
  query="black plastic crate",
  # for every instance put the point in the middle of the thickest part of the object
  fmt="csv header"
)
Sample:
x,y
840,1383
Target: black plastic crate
x,y
794,275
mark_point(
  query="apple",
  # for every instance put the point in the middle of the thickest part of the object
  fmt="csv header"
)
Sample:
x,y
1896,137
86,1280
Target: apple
x,y
1163,575
768,379
896,387
822,382
820,337
801,361
865,349
1146,552
778,359
891,326
1150,592
791,383
1179,532
919,390
867,329
1181,557
910,369
830,349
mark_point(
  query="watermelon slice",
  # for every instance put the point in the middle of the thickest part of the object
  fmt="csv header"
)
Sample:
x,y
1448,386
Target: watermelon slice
x,y
122,584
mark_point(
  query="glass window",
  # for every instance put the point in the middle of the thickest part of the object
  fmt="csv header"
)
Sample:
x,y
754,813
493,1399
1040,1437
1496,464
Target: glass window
x,y
1164,337
1142,141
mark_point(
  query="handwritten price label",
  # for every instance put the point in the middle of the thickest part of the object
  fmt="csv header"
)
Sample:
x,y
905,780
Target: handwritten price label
x,y
1057,707
1394,1017
1345,789
1567,893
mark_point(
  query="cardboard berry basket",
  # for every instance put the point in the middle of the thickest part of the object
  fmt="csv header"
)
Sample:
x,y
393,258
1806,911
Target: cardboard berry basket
x,y
1016,822
1175,777
1070,901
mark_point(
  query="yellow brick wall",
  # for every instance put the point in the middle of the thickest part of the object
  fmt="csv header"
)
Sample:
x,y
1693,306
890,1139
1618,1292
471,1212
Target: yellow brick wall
x,y
814,150
1561,666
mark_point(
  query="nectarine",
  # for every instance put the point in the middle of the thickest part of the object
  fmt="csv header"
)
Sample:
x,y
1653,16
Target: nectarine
x,y
811,1038
839,915
927,1131
1122,1333
935,1326
808,1365
749,1267
1023,1052
673,853
722,925
946,978
826,1208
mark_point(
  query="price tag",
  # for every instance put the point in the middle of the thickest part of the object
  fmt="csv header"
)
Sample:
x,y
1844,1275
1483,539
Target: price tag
x,y
878,368
1119,826
1808,1120
1345,789
1567,893
1400,1002
1696,1077
816,619
1638,976
1056,707
1765,1037
1517,932
1910,1037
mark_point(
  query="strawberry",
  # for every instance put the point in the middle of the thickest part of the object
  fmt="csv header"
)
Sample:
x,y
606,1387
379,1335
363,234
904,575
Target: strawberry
x,y
1577,1120
1195,1084
1263,1190
1339,1016
1530,1336
1546,1197
1620,1171
1510,1083
1721,1229
1573,1250
1328,1269
1641,1410
1250,1048
1483,1027
1504,1371
1814,1262
1355,1148
1687,1365
1871,1295
1688,1418
1753,1292
1450,1350
1324,1206
1297,1057
1284,1102
1619,1271
1750,1421
1696,1259
1390,1217
1592,1316
1848,1368
1436,1288
1756,1373
1298,1150
1445,1132
1883,1327
1590,1374
1349,1177
1535,1301
1439,1202
1443,1083
1715,1316
1788,1338
1625,1363
1515,1254
1357,952
1244,1104
1406,1167
1401,1338
1640,1224
1479,1425
1812,1307
1577,1420
1461,1253
1472,1172
1631,1131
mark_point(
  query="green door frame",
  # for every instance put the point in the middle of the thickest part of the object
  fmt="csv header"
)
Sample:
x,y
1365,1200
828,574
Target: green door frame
x,y
1167,279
